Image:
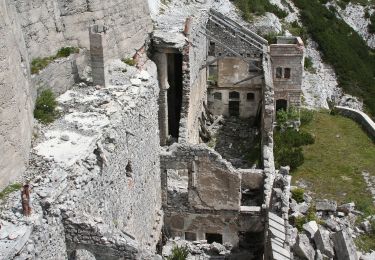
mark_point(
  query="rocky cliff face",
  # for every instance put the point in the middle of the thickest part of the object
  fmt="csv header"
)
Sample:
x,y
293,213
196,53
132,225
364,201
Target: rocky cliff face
x,y
31,29
15,101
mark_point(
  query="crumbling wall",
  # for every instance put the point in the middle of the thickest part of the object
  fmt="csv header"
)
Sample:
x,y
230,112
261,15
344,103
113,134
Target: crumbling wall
x,y
95,175
194,80
15,97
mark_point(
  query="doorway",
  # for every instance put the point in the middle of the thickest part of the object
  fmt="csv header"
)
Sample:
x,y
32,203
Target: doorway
x,y
281,104
234,108
174,93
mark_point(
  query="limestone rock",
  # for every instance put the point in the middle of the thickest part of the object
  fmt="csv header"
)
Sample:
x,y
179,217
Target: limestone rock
x,y
310,228
323,242
326,205
344,245
303,248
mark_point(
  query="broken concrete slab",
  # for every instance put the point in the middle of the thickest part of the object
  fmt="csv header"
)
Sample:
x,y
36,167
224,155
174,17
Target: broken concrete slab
x,y
344,245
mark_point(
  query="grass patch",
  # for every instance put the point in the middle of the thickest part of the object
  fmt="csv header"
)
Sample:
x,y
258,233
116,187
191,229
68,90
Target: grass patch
x,y
45,107
39,64
333,164
129,61
8,190
297,195
343,48
179,253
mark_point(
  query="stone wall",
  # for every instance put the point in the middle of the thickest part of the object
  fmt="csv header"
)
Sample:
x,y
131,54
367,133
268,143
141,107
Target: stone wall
x,y
360,117
50,25
16,106
288,54
95,173
194,80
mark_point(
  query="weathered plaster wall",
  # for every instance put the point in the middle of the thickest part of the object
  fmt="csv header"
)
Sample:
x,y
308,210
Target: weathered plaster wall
x,y
15,98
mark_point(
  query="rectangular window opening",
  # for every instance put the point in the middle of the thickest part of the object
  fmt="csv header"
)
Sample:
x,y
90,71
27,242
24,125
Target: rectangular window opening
x,y
250,96
213,237
279,73
287,73
218,96
190,236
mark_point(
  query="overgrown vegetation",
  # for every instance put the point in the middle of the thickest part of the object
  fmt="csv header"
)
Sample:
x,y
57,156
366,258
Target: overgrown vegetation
x,y
342,47
288,142
11,188
310,216
309,65
251,8
39,64
45,107
129,61
371,26
297,194
295,29
179,253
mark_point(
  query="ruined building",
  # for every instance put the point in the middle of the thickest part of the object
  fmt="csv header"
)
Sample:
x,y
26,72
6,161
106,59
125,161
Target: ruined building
x,y
127,165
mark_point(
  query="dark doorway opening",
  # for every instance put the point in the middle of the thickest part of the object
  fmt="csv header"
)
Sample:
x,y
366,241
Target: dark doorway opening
x,y
281,104
234,108
253,241
174,93
212,237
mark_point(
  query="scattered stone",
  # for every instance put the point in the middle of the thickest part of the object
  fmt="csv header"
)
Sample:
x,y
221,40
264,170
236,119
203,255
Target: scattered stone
x,y
344,245
346,208
64,138
310,228
303,248
136,82
332,225
326,205
323,242
284,170
366,226
217,248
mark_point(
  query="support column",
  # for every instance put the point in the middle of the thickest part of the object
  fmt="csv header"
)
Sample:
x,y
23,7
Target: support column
x,y
162,64
97,42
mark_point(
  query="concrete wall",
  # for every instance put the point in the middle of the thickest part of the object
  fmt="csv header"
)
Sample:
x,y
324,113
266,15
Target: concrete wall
x,y
248,108
360,117
230,71
16,106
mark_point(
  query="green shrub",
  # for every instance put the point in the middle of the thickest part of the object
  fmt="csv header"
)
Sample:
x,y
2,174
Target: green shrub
x,y
309,65
289,156
66,52
129,61
38,64
299,222
45,107
179,253
371,26
271,37
297,194
283,117
306,116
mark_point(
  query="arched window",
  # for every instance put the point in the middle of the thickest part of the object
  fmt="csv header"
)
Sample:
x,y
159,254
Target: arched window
x,y
234,95
287,73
